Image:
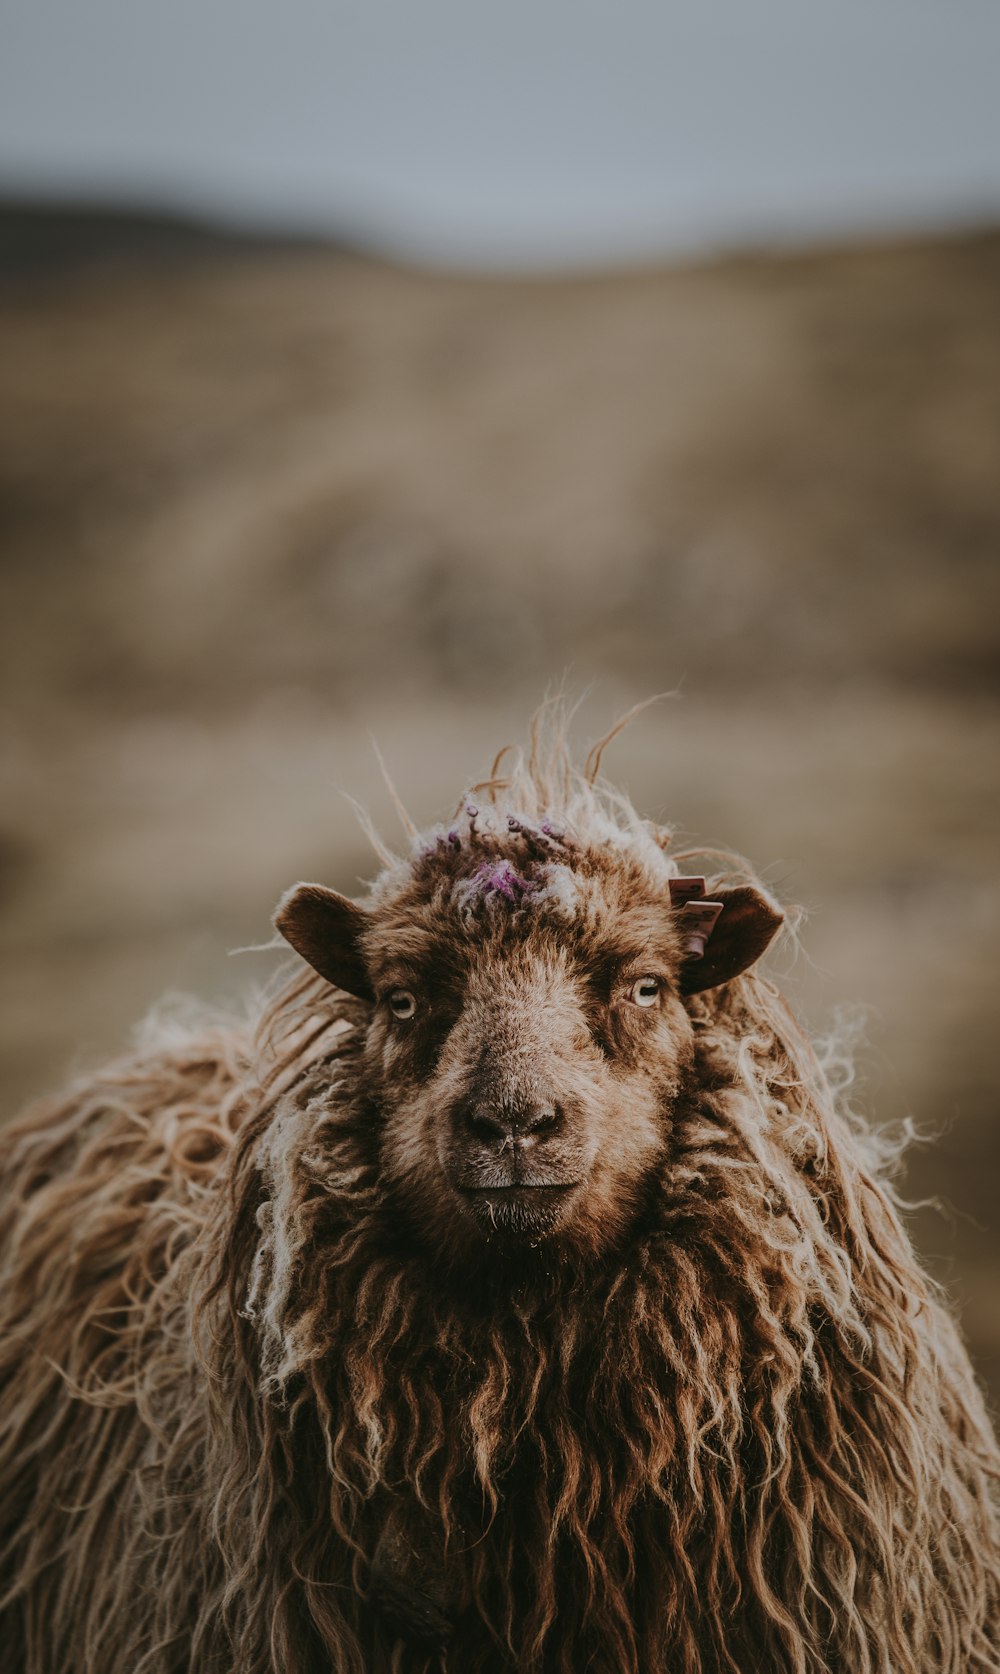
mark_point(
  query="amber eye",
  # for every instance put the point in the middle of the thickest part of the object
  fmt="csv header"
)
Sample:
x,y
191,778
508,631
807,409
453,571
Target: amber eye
x,y
645,992
402,1004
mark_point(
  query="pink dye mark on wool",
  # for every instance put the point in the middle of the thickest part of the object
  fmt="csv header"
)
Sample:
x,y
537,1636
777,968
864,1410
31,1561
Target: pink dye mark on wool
x,y
498,877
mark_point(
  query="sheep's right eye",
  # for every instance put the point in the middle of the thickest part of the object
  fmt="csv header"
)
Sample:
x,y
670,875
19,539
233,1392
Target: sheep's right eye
x,y
645,992
402,1004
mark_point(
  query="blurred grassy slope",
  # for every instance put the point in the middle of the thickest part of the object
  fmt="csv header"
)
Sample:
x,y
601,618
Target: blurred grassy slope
x,y
255,502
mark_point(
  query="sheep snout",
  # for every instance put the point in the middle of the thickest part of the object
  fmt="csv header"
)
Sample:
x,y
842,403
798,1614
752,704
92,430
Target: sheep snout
x,y
517,1129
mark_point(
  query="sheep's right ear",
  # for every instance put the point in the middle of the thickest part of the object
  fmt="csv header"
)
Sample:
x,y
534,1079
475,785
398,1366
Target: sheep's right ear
x,y
326,929
742,925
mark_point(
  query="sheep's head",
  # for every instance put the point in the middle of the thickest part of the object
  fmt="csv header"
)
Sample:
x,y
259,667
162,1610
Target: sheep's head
x,y
529,1029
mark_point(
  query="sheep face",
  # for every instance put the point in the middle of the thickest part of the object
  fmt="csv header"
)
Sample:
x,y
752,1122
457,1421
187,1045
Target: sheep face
x,y
528,1037
525,1058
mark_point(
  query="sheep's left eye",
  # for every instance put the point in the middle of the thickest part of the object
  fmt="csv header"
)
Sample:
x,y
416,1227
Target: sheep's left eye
x,y
645,992
402,1004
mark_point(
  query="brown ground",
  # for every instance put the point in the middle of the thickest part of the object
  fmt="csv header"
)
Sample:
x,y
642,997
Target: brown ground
x,y
255,504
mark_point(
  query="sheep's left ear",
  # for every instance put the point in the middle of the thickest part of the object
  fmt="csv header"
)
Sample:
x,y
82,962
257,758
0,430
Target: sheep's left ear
x,y
326,929
745,928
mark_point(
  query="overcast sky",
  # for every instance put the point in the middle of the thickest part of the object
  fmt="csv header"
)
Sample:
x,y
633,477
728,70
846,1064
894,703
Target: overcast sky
x,y
522,131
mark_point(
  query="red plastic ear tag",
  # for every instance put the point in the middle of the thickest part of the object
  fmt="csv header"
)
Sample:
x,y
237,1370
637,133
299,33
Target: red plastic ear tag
x,y
686,889
697,923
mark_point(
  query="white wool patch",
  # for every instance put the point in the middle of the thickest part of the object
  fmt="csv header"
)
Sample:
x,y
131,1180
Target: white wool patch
x,y
295,1145
466,896
589,818
560,887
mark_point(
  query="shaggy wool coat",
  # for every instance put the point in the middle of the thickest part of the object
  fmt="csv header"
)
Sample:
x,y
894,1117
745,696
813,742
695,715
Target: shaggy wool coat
x,y
507,1297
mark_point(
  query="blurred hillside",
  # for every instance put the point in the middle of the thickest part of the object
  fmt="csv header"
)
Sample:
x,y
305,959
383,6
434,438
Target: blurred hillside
x,y
256,502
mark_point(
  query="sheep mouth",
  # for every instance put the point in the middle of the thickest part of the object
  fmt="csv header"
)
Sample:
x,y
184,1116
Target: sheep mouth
x,y
519,1208
524,1187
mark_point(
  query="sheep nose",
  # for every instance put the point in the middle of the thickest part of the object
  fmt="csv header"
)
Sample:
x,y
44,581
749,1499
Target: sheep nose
x,y
512,1128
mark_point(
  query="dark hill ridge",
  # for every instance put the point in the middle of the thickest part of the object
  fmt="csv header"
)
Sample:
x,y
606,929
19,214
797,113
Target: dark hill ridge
x,y
46,238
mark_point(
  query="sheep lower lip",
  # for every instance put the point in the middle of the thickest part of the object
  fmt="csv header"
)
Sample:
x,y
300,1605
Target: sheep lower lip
x,y
517,1211
523,1186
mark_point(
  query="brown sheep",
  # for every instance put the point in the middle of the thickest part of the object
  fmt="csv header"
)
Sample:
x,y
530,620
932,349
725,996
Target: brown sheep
x,y
513,1297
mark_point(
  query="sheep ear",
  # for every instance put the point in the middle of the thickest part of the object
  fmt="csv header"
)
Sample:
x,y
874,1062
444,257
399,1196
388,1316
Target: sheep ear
x,y
745,928
326,928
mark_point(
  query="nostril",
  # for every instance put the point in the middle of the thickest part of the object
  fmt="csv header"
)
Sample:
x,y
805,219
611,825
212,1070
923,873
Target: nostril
x,y
485,1125
544,1119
